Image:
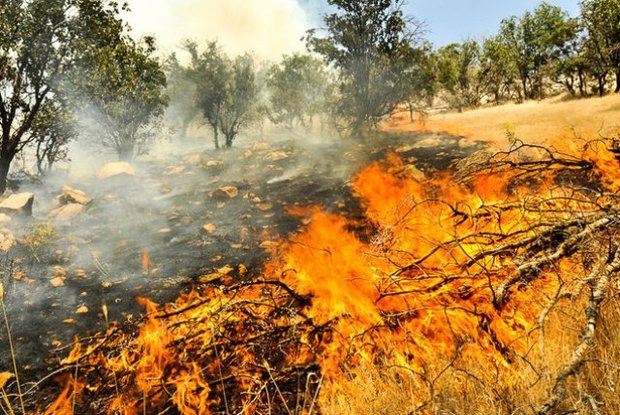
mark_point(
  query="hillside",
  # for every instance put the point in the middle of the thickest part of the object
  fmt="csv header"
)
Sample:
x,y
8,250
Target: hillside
x,y
533,122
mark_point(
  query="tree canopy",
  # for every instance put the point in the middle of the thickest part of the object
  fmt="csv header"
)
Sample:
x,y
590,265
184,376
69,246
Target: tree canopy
x,y
125,86
370,43
226,90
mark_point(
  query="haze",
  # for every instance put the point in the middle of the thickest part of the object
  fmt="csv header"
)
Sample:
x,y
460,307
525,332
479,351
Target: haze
x,y
267,28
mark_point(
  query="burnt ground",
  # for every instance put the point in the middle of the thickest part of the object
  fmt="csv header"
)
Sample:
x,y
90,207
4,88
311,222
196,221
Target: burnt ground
x,y
61,272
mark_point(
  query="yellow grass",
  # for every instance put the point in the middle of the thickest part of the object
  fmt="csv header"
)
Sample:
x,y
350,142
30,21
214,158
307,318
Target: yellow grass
x,y
533,122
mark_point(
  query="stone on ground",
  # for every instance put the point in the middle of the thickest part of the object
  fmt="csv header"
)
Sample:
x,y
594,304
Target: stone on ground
x,y
19,202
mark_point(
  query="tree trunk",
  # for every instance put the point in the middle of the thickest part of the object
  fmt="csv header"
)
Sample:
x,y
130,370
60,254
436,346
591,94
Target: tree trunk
x,y
617,82
125,153
582,82
601,85
229,139
524,85
216,139
5,165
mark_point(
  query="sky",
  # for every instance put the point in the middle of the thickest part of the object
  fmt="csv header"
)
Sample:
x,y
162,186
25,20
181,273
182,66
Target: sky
x,y
270,28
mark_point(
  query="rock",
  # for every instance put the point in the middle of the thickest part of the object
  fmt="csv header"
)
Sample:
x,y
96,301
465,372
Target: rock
x,y
209,228
114,169
276,156
19,202
269,245
265,206
260,146
225,270
57,282
71,195
173,170
82,310
214,163
225,192
67,211
4,218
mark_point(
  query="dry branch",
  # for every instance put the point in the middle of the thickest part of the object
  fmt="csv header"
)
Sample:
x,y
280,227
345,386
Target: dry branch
x,y
601,277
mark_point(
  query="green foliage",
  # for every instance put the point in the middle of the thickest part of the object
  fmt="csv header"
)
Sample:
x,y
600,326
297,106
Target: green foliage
x,y
369,42
601,19
535,41
226,90
125,86
498,71
53,128
298,89
458,73
41,41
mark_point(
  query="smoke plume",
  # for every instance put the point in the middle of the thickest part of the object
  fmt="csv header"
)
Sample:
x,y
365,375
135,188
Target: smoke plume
x,y
268,28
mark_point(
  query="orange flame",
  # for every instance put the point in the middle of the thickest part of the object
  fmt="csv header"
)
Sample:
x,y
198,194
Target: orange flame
x,y
146,262
419,293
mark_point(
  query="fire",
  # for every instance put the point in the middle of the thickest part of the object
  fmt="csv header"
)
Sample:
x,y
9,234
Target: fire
x,y
459,273
146,262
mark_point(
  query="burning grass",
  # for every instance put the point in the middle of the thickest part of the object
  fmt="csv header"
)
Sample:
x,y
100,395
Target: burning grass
x,y
487,289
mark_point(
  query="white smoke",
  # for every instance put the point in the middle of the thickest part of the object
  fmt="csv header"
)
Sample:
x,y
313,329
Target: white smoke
x,y
267,28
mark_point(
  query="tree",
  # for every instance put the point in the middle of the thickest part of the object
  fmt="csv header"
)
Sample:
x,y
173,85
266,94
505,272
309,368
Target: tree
x,y
601,19
226,90
572,69
370,43
125,86
181,90
39,43
297,90
420,83
535,41
497,70
458,73
52,129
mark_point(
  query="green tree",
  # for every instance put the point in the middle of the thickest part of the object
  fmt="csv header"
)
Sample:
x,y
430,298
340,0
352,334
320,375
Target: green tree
x,y
573,68
420,82
370,43
226,90
125,86
536,41
52,130
498,72
297,88
40,40
458,73
601,19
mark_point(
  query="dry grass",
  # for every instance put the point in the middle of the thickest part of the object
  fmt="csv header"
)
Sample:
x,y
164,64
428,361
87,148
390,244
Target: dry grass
x,y
460,390
533,122
390,390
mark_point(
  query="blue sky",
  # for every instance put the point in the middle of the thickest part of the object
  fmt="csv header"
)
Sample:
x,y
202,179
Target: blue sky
x,y
455,20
